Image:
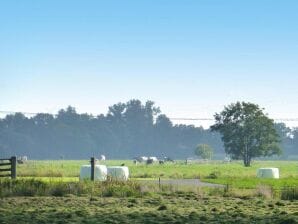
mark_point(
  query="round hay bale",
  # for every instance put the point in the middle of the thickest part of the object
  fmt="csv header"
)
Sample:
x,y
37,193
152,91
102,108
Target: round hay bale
x,y
119,173
272,173
100,172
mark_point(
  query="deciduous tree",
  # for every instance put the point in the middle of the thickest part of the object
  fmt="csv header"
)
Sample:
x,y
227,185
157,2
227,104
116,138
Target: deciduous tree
x,y
246,132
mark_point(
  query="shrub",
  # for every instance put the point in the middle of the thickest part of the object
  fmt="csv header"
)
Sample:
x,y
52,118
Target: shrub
x,y
214,175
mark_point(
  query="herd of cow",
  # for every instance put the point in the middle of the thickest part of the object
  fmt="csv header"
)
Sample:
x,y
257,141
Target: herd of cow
x,y
141,159
151,160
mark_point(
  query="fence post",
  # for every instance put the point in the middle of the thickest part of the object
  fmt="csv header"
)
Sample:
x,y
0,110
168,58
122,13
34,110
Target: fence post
x,y
13,161
159,183
92,168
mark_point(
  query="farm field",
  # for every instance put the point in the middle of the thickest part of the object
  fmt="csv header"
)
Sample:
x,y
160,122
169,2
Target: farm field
x,y
50,192
233,174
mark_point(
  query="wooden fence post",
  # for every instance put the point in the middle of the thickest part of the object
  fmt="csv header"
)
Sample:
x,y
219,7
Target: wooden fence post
x,y
159,183
92,168
13,161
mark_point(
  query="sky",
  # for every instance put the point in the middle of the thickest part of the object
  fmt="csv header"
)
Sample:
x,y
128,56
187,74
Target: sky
x,y
190,57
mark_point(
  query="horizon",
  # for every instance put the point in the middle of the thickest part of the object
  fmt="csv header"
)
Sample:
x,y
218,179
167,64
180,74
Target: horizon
x,y
204,122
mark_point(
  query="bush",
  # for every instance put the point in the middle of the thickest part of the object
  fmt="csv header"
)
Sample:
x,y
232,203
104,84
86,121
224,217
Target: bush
x,y
214,175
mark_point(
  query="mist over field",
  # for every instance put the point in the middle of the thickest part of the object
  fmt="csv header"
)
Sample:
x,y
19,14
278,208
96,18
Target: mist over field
x,y
128,130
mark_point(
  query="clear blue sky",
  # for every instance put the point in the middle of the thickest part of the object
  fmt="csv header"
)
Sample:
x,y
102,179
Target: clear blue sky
x,y
190,57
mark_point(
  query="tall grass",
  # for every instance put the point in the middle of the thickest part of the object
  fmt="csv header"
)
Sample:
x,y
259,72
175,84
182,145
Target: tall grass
x,y
289,193
33,187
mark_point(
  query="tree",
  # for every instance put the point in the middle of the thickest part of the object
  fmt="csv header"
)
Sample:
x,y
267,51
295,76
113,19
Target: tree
x,y
204,151
246,132
128,129
286,139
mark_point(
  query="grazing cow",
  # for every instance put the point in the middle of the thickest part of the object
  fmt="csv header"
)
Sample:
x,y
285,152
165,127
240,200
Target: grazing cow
x,y
22,159
150,161
161,162
145,159
168,159
141,159
153,158
138,159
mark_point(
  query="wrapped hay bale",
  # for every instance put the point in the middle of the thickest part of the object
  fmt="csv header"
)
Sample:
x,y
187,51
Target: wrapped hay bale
x,y
100,172
120,173
272,173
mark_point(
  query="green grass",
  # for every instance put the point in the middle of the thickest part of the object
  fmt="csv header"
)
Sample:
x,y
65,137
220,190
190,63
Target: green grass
x,y
251,183
69,168
56,196
234,174
52,179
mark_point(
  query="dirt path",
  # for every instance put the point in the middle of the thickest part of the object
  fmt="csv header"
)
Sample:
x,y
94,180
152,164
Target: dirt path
x,y
183,182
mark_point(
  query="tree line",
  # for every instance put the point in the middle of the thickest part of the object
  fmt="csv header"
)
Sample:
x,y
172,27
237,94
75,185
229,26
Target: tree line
x,y
128,129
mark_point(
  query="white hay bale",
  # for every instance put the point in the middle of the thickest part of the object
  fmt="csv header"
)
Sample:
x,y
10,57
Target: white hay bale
x,y
118,173
268,173
100,172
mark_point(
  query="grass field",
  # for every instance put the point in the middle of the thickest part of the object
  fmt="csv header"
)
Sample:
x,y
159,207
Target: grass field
x,y
234,174
49,192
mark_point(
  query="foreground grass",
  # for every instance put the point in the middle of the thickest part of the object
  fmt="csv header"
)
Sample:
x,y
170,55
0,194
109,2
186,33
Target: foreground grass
x,y
35,201
162,208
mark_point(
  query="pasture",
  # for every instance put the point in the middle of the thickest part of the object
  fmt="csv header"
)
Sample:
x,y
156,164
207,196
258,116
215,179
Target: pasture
x,y
233,174
50,191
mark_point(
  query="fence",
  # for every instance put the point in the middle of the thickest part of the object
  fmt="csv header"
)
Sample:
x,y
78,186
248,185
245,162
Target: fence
x,y
12,162
92,168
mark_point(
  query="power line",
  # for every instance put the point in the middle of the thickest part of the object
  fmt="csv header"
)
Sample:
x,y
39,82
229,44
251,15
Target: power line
x,y
14,112
191,119
171,118
212,119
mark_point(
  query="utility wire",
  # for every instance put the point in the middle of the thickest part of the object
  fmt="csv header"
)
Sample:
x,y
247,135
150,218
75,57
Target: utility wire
x,y
212,119
172,118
